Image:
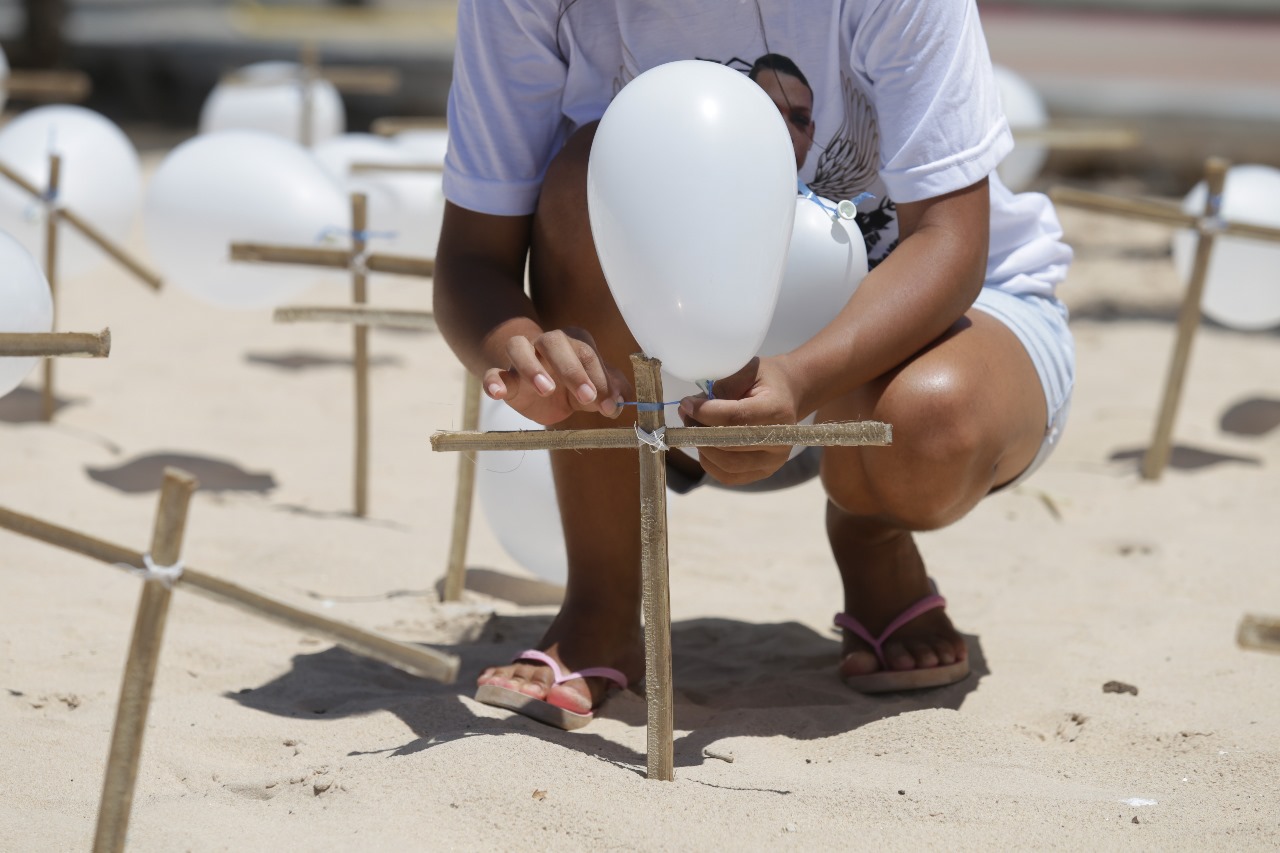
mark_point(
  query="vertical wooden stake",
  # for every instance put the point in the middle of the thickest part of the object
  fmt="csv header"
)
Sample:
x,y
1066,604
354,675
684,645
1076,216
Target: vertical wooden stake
x,y
1157,455
455,578
140,669
359,295
48,401
656,589
310,62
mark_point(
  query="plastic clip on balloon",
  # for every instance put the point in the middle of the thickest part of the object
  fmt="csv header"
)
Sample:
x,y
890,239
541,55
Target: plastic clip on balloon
x,y
691,192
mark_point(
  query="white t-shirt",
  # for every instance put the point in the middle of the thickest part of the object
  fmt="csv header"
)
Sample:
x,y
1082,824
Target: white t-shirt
x,y
905,103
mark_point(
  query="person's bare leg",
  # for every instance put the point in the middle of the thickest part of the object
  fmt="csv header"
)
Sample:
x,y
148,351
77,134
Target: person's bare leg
x,y
597,490
968,414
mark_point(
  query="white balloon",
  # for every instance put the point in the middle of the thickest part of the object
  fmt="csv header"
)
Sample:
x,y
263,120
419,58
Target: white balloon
x,y
691,194
427,145
1025,110
517,493
268,96
405,208
26,305
4,78
100,179
1242,285
241,186
826,261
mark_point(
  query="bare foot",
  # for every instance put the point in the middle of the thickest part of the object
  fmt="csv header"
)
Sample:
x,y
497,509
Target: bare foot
x,y
883,575
575,642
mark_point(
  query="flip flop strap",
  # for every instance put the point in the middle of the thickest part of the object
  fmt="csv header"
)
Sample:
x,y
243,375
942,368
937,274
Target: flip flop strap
x,y
559,676
924,605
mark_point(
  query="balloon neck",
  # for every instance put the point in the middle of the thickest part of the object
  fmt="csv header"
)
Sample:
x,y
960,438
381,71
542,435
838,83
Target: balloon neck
x,y
706,386
846,209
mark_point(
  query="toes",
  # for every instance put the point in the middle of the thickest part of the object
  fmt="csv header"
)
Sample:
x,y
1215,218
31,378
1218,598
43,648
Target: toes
x,y
571,699
859,663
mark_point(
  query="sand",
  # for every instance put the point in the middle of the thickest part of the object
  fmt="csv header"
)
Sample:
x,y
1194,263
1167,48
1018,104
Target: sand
x,y
261,737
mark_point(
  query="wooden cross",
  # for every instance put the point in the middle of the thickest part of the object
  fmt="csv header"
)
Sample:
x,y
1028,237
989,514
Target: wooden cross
x,y
652,439
360,262
55,214
162,570
350,79
1207,227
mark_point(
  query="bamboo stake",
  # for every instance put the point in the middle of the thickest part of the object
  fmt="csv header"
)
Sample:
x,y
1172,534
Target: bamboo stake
x,y
355,314
655,579
48,403
103,242
1160,212
455,576
401,265
140,668
415,660
1157,455
855,433
47,85
391,125
395,167
310,62
359,295
362,80
1078,139
45,344
309,255
264,253
1259,632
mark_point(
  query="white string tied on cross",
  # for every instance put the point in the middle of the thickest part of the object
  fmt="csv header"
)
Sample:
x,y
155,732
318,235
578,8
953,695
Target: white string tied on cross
x,y
360,262
656,439
167,575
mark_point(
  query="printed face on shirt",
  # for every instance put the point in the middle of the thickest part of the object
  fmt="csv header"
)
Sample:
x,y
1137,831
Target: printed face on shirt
x,y
794,100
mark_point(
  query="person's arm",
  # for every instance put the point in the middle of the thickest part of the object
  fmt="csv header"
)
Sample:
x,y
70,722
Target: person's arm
x,y
490,323
924,286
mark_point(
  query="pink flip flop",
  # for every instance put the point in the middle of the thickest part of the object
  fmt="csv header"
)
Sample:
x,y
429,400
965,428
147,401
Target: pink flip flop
x,y
539,709
887,680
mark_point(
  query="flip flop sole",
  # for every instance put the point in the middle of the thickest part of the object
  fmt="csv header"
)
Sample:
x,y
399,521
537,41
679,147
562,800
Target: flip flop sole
x,y
535,709
909,679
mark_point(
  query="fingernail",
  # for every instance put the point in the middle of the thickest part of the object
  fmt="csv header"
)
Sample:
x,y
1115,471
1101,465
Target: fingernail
x,y
543,383
586,393
685,410
494,390
617,407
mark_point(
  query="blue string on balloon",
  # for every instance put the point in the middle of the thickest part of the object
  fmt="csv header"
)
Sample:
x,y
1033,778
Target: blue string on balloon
x,y
365,236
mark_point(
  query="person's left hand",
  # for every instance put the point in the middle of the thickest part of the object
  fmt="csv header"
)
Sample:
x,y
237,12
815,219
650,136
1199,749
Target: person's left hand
x,y
758,394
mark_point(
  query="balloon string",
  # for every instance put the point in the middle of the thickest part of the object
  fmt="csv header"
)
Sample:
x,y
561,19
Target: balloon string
x,y
332,231
650,407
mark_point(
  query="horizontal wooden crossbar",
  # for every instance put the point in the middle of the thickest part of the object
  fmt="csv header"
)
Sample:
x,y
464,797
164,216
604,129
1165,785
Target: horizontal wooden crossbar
x,y
854,433
415,660
42,344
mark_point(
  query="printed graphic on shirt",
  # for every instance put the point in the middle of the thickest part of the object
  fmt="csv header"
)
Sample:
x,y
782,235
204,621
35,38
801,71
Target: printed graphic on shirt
x,y
846,165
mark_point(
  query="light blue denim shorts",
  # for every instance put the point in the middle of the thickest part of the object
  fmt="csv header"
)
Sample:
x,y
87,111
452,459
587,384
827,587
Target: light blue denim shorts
x,y
1040,323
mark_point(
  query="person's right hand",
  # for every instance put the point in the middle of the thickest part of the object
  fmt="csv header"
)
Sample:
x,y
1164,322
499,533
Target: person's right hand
x,y
556,374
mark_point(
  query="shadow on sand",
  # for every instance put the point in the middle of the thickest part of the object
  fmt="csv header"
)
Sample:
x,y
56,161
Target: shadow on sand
x,y
725,671
146,473
24,405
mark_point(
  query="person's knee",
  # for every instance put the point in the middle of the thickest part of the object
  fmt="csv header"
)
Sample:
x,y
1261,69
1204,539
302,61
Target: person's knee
x,y
929,476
